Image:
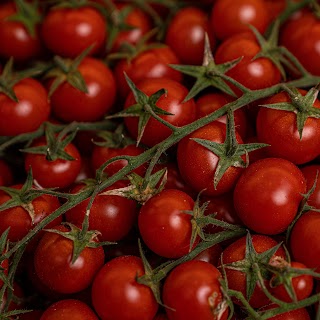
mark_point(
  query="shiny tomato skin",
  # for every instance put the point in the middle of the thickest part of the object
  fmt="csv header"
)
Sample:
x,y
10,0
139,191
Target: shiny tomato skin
x,y
69,31
19,43
278,128
302,285
267,195
186,33
59,173
229,17
197,164
149,64
183,112
193,290
19,220
306,231
254,74
102,154
113,216
26,115
163,225
68,309
70,104
115,286
237,279
53,266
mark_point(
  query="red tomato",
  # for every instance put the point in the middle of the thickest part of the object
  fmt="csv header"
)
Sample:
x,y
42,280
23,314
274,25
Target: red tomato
x,y
237,279
304,240
69,309
20,44
230,17
275,7
197,164
112,216
115,286
59,173
279,129
26,115
267,195
53,265
163,225
192,289
298,314
186,33
19,220
69,31
254,74
70,104
101,154
183,113
302,285
310,173
211,102
149,64
210,255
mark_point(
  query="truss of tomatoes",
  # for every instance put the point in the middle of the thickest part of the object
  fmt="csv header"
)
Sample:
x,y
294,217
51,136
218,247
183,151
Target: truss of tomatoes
x,y
159,160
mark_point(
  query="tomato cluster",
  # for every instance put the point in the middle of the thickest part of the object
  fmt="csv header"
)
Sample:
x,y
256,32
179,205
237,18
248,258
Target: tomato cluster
x,y
159,159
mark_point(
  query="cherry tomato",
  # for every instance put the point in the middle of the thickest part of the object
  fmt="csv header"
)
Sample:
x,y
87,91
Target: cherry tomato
x,y
57,173
183,113
69,309
70,104
229,17
113,216
304,240
54,267
192,291
237,279
6,174
197,164
164,226
310,173
279,129
298,314
69,31
186,33
115,286
26,115
20,44
267,195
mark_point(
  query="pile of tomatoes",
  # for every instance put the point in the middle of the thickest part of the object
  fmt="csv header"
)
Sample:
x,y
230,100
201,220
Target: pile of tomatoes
x,y
159,159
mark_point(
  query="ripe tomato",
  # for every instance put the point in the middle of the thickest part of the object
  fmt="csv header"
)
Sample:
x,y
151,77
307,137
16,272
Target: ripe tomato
x,y
6,174
310,173
278,128
54,267
229,17
197,164
58,173
186,33
20,44
69,31
115,286
298,314
113,216
69,309
20,221
151,63
183,113
302,285
70,104
267,195
237,279
164,226
192,291
210,255
252,73
26,115
306,231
